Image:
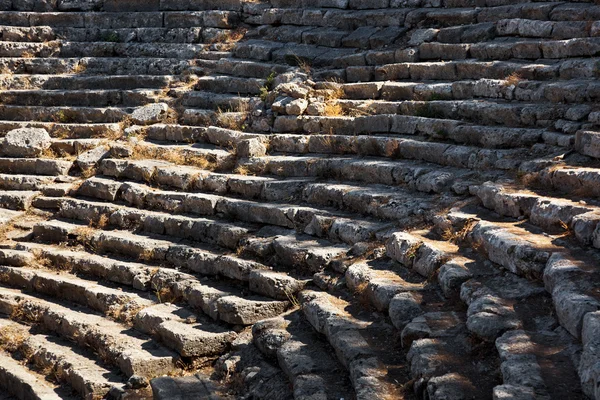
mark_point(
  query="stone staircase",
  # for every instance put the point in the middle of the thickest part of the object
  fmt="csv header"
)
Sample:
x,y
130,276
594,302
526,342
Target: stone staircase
x,y
316,199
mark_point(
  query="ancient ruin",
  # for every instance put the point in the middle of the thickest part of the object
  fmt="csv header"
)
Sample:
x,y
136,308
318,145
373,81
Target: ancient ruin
x,y
299,199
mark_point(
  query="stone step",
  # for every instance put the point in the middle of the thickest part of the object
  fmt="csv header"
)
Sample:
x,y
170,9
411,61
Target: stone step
x,y
219,102
542,70
469,366
183,331
511,27
82,98
114,302
202,156
577,181
151,65
132,353
75,147
527,368
308,363
85,375
62,116
249,68
35,166
362,38
571,282
504,49
230,84
18,200
205,260
295,54
528,254
122,19
389,288
23,384
219,300
9,216
524,90
420,176
69,130
385,202
589,358
64,49
493,156
348,337
378,135
301,251
521,249
499,301
417,252
104,33
481,112
176,133
554,215
84,82
443,13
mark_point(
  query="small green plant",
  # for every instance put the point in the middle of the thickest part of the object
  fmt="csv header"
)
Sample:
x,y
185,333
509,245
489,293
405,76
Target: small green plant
x,y
112,37
270,80
63,117
264,92
268,86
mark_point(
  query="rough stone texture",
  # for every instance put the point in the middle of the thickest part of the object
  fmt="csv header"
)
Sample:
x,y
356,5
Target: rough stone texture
x,y
25,142
316,199
150,114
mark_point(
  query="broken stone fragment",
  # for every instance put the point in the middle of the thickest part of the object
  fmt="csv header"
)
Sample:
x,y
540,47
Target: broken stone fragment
x,y
251,148
91,158
296,107
588,143
25,142
150,114
294,90
317,108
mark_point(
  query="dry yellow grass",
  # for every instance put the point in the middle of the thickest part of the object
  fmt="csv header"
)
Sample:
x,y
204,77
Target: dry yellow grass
x,y
147,255
12,337
124,313
85,236
242,170
512,80
451,235
25,312
143,151
80,68
234,118
333,110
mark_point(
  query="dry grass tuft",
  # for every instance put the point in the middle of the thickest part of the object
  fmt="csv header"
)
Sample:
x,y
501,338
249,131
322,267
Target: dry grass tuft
x,y
84,236
80,68
333,110
124,313
41,260
143,151
451,235
362,293
234,118
25,312
229,36
12,337
512,80
242,170
147,255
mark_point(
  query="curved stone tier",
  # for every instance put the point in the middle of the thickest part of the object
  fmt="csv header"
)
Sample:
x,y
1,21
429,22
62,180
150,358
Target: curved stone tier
x,y
299,199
